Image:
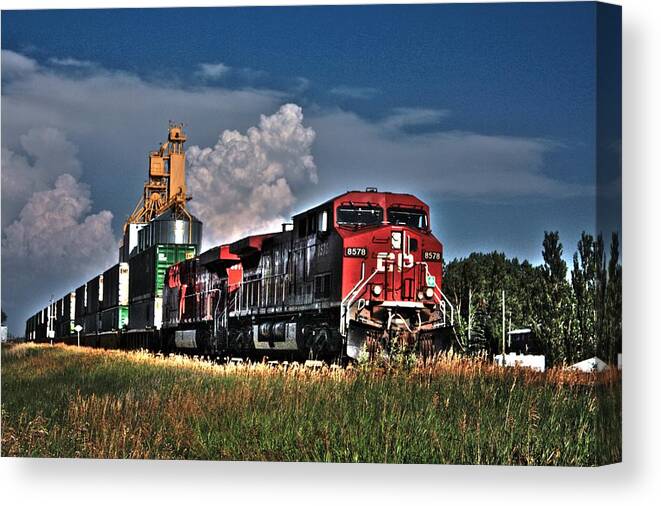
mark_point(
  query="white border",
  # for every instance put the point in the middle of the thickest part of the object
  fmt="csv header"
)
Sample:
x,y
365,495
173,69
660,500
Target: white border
x,y
637,480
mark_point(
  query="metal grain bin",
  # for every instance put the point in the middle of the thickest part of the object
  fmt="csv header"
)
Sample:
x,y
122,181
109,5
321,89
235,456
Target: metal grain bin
x,y
170,228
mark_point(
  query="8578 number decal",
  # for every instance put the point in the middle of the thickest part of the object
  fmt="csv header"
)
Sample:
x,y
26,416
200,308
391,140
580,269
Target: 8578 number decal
x,y
432,256
352,251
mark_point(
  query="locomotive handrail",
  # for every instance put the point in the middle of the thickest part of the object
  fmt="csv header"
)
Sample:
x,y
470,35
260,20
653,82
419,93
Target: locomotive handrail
x,y
265,292
447,301
442,300
350,297
342,316
357,290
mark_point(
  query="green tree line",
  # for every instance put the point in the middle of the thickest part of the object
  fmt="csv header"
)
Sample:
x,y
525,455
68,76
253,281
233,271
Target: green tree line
x,y
572,314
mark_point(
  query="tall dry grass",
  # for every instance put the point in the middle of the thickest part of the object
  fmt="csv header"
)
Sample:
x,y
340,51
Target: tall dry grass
x,y
71,402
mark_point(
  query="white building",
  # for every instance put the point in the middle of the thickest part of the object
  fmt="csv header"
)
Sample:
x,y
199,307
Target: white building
x,y
536,362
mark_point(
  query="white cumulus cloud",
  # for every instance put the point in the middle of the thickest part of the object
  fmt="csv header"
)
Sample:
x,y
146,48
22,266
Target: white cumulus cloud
x,y
56,224
55,245
247,183
45,154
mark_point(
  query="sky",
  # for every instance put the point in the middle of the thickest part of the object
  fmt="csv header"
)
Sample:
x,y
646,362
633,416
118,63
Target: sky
x,y
486,112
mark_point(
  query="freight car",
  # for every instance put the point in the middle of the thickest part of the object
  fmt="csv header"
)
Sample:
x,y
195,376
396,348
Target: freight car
x,y
362,271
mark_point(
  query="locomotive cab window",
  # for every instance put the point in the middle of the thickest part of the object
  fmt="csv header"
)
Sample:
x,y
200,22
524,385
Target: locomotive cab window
x,y
413,218
359,215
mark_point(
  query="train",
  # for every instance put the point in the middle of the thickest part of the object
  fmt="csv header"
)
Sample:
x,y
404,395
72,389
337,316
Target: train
x,y
361,270
353,276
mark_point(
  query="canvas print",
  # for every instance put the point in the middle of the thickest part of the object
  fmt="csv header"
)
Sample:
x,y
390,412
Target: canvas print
x,y
384,233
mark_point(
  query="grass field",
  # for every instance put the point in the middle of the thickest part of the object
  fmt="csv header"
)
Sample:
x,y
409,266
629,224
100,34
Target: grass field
x,y
62,401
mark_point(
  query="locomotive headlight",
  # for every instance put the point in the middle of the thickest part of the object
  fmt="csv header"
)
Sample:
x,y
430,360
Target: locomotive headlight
x,y
420,295
377,289
396,240
429,292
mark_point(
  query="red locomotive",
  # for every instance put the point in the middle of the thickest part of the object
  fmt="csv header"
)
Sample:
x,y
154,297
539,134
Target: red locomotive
x,y
360,272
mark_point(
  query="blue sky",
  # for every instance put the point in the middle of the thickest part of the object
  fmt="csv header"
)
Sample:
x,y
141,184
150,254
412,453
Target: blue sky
x,y
488,112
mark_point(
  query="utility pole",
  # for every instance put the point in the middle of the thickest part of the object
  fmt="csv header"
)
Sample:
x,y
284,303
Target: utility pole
x,y
503,327
50,332
470,316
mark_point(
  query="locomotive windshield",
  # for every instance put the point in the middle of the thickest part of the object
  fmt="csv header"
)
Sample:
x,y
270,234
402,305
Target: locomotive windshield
x,y
414,218
359,215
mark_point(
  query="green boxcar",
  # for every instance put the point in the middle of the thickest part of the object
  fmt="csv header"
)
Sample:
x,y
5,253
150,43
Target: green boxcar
x,y
147,269
147,275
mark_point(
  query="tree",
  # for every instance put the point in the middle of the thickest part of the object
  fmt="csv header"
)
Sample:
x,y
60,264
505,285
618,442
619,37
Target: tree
x,y
613,303
571,320
600,282
583,284
474,286
553,303
596,308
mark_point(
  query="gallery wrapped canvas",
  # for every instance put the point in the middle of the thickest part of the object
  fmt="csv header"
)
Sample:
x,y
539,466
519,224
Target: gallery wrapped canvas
x,y
384,233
